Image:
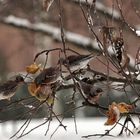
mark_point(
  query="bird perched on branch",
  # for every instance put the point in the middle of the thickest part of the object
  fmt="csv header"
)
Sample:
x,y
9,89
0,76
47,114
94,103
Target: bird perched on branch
x,y
8,89
48,76
90,92
42,87
76,62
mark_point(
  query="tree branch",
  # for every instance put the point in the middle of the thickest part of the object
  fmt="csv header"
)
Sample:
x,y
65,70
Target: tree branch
x,y
101,8
80,41
109,12
54,32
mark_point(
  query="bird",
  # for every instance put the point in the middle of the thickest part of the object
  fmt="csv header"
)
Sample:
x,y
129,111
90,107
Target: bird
x,y
76,62
48,76
8,89
90,92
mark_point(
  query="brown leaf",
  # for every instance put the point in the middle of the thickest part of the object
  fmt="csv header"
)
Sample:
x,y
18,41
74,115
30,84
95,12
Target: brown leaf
x,y
33,68
113,115
41,92
124,108
114,111
32,88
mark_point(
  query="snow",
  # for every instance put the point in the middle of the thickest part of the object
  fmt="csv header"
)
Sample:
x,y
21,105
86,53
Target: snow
x,y
19,22
103,8
86,126
138,32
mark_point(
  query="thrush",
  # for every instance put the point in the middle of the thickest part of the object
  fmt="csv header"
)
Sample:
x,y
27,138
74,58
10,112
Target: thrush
x,y
8,89
48,76
76,62
90,92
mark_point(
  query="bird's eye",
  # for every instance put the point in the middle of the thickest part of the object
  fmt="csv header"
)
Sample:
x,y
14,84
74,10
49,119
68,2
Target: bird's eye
x,y
19,78
99,90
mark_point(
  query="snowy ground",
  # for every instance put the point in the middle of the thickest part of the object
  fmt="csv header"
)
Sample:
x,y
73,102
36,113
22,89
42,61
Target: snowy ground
x,y
84,127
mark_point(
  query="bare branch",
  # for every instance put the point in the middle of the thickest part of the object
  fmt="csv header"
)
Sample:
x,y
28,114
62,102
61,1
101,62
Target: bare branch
x,y
52,31
79,40
117,17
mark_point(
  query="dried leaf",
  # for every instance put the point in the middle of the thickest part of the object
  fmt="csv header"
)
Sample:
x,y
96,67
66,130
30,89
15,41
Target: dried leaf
x,y
113,115
114,111
32,88
41,93
33,68
124,108
47,4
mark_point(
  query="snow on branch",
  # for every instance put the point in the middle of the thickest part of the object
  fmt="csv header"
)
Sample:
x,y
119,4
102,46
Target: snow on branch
x,y
100,7
52,31
76,39
109,12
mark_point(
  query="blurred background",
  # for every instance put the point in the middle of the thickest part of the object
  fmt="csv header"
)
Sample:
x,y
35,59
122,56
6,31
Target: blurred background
x,y
18,45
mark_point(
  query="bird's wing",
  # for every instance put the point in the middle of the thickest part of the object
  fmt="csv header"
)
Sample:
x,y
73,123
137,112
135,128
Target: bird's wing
x,y
8,86
76,59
